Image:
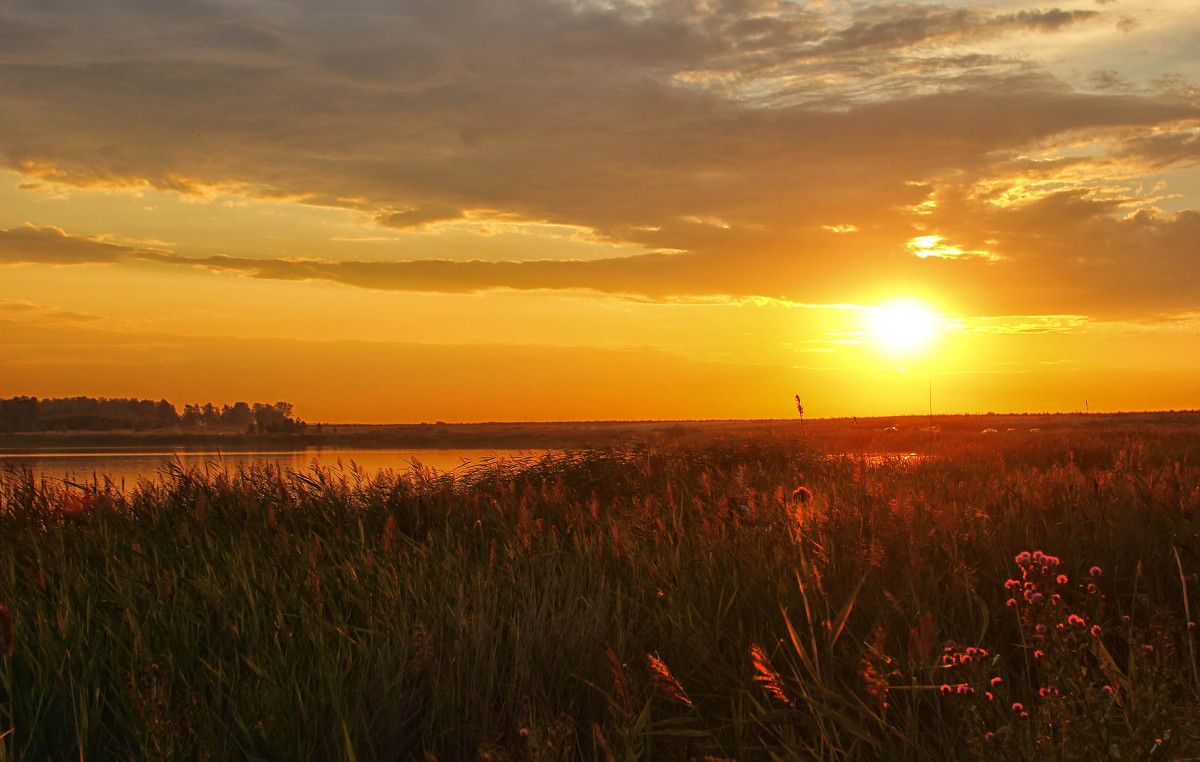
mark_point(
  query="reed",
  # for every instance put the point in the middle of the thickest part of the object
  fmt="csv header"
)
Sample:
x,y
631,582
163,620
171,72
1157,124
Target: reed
x,y
641,602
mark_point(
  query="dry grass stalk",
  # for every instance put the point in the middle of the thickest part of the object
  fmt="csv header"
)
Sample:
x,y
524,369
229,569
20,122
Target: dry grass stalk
x,y
664,682
771,680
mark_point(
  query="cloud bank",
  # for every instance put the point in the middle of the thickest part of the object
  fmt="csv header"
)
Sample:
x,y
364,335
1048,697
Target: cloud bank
x,y
643,122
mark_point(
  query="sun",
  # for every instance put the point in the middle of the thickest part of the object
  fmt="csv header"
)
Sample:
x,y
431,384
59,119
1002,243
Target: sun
x,y
903,327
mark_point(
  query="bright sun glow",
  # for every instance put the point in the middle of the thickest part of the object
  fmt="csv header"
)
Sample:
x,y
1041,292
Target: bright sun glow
x,y
903,327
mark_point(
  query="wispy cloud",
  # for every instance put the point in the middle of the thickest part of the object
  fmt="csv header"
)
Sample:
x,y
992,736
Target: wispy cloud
x,y
51,245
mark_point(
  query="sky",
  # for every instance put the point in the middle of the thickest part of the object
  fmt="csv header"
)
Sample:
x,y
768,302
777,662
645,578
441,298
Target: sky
x,y
521,210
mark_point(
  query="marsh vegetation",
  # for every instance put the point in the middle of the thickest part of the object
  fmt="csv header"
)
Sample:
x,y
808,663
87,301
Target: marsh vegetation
x,y
1019,597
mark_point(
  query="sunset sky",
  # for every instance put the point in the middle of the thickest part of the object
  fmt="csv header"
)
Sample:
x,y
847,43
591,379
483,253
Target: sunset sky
x,y
473,210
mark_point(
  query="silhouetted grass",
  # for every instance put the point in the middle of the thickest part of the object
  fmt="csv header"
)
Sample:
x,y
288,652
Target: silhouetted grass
x,y
668,602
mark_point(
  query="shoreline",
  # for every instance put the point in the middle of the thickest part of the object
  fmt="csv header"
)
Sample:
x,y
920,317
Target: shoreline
x,y
898,430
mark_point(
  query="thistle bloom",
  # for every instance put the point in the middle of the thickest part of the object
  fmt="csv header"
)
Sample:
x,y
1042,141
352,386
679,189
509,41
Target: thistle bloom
x,y
1106,690
1095,571
1062,579
1023,558
989,736
1075,620
1018,706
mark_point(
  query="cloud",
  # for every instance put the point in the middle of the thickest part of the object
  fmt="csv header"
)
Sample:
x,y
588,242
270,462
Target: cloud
x,y
629,119
51,245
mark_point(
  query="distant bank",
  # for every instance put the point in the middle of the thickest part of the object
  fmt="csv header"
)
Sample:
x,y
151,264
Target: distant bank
x,y
884,432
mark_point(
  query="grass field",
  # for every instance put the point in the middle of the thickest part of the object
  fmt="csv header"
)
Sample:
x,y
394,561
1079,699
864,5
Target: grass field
x,y
1018,596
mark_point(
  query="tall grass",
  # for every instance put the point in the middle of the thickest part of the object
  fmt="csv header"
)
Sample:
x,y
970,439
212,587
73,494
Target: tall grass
x,y
668,602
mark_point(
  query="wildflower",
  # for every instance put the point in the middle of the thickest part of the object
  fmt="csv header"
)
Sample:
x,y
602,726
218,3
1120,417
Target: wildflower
x,y
1047,690
1041,629
1148,648
1039,556
1096,631
524,732
1018,706
1051,560
1011,602
989,736
946,689
965,690
996,681
1095,571
802,494
1012,584
989,695
1106,690
1033,596
1074,620
1062,579
1023,558
1039,654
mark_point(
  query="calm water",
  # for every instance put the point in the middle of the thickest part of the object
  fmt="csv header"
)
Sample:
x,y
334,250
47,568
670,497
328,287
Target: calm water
x,y
130,466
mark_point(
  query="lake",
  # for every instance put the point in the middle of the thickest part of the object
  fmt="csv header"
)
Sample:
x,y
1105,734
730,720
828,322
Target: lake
x,y
125,467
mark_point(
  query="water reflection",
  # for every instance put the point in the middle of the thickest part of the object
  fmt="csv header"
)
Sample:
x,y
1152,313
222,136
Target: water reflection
x,y
131,466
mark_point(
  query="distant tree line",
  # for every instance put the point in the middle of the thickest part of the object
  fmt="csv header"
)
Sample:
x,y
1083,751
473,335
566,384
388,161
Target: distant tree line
x,y
104,414
259,417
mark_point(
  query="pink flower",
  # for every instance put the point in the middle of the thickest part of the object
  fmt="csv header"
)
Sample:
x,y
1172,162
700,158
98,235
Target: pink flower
x,y
996,681
1106,690
1018,706
946,689
1041,629
965,690
1062,579
1096,631
1095,571
989,736
1074,620
1023,558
